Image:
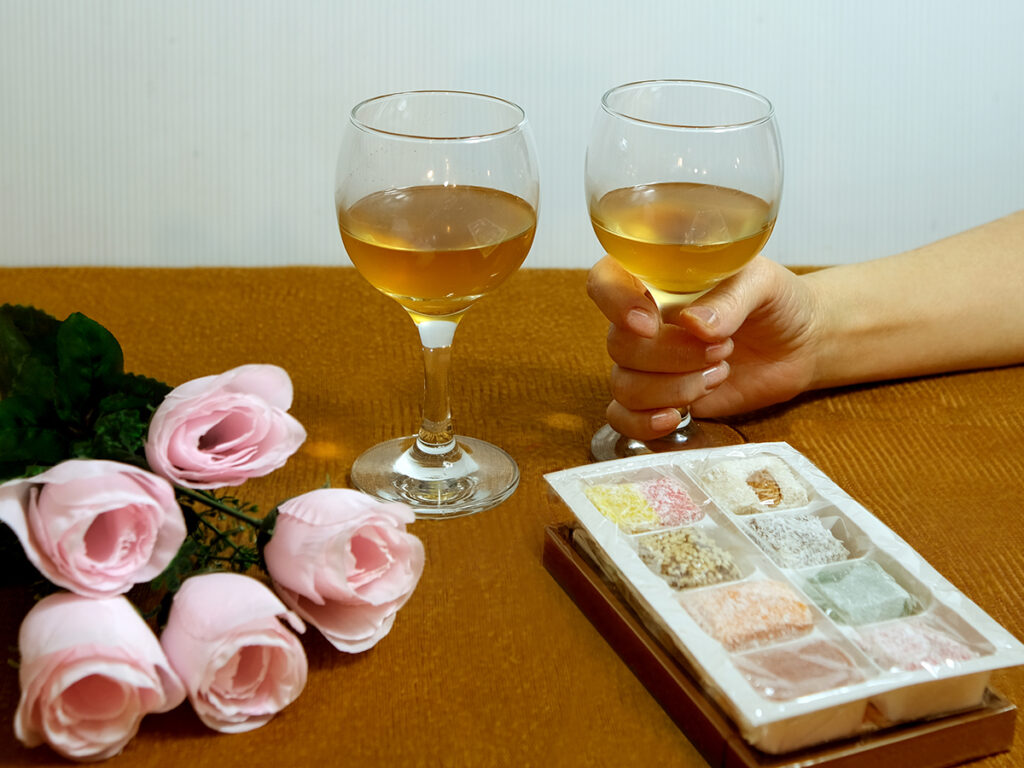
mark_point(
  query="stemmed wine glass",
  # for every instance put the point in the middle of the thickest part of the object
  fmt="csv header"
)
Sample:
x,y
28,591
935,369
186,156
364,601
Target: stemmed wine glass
x,y
683,180
437,194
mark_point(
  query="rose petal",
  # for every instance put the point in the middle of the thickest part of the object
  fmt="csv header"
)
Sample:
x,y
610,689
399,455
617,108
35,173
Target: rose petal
x,y
349,627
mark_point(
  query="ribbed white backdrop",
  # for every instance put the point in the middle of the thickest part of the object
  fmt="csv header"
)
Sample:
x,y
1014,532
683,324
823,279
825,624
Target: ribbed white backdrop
x,y
141,132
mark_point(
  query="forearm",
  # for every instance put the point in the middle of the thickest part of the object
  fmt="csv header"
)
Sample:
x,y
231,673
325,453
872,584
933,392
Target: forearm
x,y
955,304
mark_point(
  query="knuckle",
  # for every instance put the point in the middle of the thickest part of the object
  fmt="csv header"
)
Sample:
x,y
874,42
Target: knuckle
x,y
687,388
630,389
620,348
626,421
592,289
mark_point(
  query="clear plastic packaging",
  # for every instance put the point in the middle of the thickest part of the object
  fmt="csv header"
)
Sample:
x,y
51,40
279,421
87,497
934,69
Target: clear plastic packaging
x,y
806,618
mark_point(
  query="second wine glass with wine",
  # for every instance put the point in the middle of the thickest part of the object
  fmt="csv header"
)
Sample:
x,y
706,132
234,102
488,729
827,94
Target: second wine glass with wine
x,y
683,181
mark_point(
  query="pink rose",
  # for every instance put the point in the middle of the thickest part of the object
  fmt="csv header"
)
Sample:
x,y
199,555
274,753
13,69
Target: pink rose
x,y
240,665
222,430
90,670
95,527
344,562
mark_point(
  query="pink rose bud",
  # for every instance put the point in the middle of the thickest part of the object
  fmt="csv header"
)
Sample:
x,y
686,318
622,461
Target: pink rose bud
x,y
344,562
95,527
90,670
223,430
240,664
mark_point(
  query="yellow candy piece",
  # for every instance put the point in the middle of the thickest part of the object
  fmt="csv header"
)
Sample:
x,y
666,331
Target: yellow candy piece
x,y
624,505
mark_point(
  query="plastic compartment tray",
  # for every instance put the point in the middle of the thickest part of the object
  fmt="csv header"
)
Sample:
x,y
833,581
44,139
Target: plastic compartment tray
x,y
937,743
908,602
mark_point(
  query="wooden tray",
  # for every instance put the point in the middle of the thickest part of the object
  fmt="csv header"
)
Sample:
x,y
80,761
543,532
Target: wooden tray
x,y
931,744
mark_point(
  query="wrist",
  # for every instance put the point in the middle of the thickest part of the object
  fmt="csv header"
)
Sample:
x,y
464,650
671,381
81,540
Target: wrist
x,y
854,331
824,333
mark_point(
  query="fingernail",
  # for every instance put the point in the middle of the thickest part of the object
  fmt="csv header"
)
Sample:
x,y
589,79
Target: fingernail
x,y
715,375
665,420
706,315
642,322
715,353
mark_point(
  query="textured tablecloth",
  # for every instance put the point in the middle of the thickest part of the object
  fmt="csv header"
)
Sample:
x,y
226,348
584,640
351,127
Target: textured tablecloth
x,y
490,663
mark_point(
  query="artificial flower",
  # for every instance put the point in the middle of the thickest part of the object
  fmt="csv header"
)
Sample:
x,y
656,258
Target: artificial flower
x,y
345,563
90,670
95,527
240,664
91,666
222,430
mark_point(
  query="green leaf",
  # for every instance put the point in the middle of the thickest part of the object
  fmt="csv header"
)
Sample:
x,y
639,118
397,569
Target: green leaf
x,y
26,438
36,379
71,394
117,434
34,324
89,363
266,529
122,418
144,388
25,332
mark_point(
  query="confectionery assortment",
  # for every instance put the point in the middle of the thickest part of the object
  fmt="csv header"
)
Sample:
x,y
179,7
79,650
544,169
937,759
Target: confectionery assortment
x,y
791,670
687,557
752,613
746,486
911,645
645,504
860,593
796,541
803,615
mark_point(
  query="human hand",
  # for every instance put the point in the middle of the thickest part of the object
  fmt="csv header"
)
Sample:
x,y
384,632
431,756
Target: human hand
x,y
750,342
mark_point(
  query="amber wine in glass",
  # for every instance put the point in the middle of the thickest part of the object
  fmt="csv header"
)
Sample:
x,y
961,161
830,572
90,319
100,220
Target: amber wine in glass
x,y
437,271
683,181
436,198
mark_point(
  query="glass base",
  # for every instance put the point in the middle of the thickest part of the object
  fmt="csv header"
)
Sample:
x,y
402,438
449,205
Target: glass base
x,y
608,444
470,478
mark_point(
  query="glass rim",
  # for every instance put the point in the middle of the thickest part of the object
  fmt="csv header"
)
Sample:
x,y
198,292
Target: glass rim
x,y
768,115
362,125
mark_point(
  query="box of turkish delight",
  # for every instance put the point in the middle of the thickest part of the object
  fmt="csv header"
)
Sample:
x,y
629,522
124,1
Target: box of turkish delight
x,y
804,616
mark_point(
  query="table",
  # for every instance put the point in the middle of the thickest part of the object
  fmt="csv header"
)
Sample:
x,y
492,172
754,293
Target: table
x,y
490,663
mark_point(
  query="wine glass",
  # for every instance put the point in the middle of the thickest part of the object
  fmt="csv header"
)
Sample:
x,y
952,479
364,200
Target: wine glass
x,y
437,194
683,180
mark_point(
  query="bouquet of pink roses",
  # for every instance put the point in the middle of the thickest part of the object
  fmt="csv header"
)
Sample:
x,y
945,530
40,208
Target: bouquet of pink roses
x,y
114,488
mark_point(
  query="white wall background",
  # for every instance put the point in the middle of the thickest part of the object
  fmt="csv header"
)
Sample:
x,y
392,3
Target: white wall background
x,y
205,131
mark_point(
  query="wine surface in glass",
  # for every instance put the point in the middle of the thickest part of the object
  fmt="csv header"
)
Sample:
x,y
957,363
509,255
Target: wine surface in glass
x,y
681,238
437,249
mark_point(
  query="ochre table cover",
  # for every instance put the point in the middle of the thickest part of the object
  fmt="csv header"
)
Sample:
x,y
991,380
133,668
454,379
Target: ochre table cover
x,y
490,663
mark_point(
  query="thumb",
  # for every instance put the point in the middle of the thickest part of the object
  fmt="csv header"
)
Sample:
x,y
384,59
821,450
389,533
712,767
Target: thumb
x,y
720,312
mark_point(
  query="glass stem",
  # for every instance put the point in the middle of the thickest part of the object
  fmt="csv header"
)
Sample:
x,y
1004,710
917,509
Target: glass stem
x,y
669,304
435,436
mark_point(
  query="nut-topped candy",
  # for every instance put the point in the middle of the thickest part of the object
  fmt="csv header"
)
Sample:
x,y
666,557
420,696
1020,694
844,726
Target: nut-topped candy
x,y
687,558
